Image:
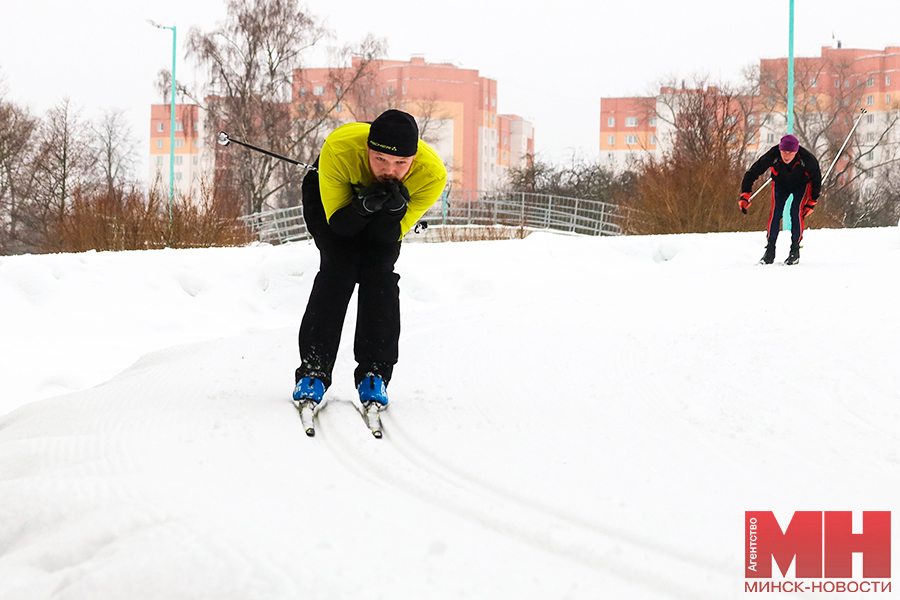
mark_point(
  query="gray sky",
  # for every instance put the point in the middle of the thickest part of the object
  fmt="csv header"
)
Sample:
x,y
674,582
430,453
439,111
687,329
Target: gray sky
x,y
552,60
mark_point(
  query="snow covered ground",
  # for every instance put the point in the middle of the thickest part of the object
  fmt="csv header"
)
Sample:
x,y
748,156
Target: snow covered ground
x,y
571,418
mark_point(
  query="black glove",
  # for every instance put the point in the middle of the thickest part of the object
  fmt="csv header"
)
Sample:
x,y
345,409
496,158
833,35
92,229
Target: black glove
x,y
371,198
398,199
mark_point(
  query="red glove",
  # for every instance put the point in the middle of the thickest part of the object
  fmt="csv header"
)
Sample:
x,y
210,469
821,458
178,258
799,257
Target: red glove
x,y
744,202
808,207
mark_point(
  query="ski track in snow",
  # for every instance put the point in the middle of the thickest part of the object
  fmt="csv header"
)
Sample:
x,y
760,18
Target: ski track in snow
x,y
412,468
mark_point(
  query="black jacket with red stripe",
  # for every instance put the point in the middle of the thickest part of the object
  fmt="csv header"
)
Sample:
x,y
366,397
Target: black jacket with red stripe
x,y
804,169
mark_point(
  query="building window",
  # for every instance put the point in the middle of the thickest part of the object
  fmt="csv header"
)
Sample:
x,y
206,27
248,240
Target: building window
x,y
611,157
159,160
652,140
160,127
390,90
611,140
179,143
179,126
319,90
887,80
770,138
837,84
870,100
630,121
301,91
611,122
730,119
179,160
196,160
404,89
160,143
631,140
652,121
751,120
870,82
813,81
178,176
887,99
870,118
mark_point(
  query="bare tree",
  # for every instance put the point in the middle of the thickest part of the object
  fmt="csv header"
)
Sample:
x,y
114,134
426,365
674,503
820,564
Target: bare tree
x,y
253,60
116,150
62,163
580,178
17,133
707,120
705,130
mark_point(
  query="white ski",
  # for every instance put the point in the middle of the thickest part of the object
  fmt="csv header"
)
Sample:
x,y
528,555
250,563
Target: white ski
x,y
372,416
307,416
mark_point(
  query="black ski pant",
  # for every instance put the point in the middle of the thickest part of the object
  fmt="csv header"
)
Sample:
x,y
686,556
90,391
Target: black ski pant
x,y
344,263
780,194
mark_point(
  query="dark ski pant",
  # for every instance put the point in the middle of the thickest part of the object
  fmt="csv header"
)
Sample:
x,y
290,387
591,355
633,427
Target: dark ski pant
x,y
344,263
780,194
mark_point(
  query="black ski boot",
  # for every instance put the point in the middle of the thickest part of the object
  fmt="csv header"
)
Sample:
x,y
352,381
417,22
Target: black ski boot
x,y
794,256
769,257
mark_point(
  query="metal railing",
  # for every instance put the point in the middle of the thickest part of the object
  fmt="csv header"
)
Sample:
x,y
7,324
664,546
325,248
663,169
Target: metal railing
x,y
524,210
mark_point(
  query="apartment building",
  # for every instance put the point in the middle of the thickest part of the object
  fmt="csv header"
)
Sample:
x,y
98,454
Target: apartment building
x,y
839,82
193,162
628,128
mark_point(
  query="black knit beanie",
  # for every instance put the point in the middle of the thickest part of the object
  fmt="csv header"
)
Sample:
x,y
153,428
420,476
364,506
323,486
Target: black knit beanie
x,y
394,132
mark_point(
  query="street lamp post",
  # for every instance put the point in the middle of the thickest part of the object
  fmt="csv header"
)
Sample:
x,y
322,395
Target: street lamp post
x,y
786,215
790,82
171,127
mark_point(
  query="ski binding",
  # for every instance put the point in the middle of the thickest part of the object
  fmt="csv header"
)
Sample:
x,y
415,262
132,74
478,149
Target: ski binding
x,y
372,416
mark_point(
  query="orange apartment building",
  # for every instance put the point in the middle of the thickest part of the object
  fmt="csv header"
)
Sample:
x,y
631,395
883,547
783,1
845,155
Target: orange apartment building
x,y
841,77
456,109
628,126
192,162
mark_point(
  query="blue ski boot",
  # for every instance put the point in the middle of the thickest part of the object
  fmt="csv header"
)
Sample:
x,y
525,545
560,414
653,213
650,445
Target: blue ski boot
x,y
307,396
373,397
372,389
309,389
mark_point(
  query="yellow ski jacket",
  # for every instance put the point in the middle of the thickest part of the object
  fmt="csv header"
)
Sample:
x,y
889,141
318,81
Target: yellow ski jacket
x,y
344,170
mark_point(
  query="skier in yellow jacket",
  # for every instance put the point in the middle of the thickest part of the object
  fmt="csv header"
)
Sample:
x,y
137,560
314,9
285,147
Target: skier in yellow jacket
x,y
373,184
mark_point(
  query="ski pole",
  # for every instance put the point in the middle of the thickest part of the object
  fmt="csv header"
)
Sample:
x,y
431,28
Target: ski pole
x,y
834,162
224,139
761,188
